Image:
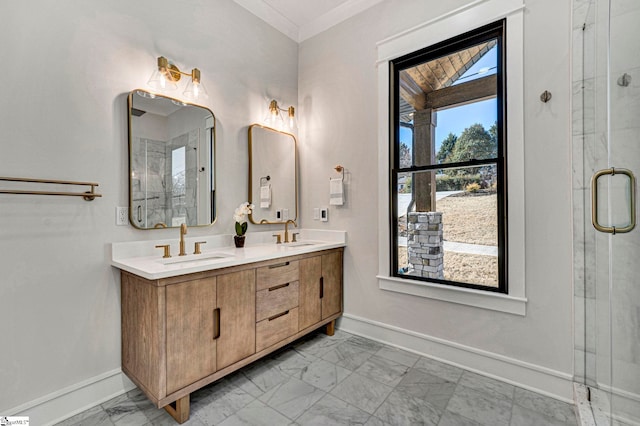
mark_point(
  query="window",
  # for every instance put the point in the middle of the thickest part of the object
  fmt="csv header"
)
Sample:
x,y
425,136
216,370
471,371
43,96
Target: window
x,y
448,162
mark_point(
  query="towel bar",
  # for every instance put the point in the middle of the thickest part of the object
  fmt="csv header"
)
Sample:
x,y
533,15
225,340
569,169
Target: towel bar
x,y
87,196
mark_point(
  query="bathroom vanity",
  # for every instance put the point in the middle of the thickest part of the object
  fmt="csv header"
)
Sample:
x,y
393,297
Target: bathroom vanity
x,y
191,322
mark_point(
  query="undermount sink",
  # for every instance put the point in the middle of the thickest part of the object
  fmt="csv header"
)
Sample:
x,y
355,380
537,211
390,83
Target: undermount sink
x,y
195,258
300,244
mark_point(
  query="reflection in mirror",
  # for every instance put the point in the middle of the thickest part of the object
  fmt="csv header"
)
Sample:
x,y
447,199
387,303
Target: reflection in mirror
x,y
171,162
273,184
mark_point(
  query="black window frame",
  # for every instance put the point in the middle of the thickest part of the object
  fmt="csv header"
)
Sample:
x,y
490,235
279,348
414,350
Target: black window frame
x,y
496,30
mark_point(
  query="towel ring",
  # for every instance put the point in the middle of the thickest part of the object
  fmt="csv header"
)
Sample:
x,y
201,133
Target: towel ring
x,y
339,169
264,180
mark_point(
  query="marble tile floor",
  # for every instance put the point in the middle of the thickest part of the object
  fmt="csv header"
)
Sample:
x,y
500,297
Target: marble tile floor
x,y
344,380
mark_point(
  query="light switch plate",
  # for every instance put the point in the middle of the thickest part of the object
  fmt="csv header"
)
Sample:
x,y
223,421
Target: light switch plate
x,y
316,213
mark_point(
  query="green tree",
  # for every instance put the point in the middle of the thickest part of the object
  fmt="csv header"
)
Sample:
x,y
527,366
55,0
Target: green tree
x,y
493,131
474,143
446,148
405,156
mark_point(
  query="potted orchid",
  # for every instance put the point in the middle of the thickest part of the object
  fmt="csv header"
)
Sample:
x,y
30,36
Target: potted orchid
x,y
240,216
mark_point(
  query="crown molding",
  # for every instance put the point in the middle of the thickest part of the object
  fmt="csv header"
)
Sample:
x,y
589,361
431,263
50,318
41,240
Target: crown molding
x,y
334,17
304,31
271,16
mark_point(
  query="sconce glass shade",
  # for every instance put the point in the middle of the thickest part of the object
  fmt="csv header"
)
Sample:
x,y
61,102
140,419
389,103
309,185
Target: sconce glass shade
x,y
290,122
273,118
165,76
195,89
159,81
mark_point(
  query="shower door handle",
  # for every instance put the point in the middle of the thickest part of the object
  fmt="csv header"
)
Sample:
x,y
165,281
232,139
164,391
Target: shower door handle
x,y
632,201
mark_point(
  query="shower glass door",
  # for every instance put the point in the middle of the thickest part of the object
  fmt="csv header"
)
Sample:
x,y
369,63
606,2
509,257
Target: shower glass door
x,y
613,155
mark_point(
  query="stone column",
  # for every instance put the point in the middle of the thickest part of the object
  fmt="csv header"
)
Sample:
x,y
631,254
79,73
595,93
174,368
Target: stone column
x,y
425,247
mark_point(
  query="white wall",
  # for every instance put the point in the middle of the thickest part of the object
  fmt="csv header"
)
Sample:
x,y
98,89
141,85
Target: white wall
x,y
67,67
338,103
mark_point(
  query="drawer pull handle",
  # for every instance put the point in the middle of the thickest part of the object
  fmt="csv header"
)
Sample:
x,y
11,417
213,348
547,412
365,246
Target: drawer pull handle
x,y
279,286
279,265
321,287
278,316
216,323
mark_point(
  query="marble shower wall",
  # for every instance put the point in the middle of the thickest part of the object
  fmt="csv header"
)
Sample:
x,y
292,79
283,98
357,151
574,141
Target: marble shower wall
x,y
607,318
625,152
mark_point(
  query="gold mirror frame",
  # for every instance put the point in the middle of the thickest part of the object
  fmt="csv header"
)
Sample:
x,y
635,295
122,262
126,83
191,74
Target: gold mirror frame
x,y
208,165
256,203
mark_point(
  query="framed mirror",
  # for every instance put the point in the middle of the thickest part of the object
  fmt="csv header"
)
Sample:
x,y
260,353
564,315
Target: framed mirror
x,y
273,175
171,162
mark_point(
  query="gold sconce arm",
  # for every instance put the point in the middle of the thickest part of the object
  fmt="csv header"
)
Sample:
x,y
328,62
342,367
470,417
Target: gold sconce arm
x,y
167,74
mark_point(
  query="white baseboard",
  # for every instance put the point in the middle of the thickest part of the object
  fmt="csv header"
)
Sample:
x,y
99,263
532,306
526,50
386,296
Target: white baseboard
x,y
64,403
543,380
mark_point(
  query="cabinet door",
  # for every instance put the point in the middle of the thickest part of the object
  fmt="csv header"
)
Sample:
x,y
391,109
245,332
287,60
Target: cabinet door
x,y
237,304
309,302
331,283
191,348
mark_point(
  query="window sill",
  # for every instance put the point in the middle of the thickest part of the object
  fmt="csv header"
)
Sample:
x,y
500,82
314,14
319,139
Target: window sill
x,y
464,296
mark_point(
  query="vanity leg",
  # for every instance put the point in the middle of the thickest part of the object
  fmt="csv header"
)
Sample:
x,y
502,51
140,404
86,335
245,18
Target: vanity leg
x,y
331,328
179,410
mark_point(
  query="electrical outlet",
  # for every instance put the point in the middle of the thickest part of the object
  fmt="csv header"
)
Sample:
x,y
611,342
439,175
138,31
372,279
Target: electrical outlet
x,y
122,216
324,214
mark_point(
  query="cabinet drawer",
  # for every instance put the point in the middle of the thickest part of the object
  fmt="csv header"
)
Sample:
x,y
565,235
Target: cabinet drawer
x,y
276,274
276,299
276,328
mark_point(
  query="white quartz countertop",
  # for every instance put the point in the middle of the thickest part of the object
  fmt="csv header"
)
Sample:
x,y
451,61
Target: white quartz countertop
x,y
143,259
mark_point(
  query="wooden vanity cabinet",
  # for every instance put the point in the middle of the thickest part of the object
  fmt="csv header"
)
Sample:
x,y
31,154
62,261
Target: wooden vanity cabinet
x,y
237,313
276,303
182,333
191,342
320,288
210,325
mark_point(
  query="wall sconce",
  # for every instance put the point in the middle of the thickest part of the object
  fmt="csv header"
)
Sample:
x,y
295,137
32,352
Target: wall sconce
x,y
277,120
167,74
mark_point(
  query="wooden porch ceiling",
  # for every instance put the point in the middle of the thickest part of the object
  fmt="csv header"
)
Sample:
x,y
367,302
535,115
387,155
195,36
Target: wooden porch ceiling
x,y
418,82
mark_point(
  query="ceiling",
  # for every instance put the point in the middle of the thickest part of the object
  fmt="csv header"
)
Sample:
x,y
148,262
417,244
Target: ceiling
x,y
416,83
302,19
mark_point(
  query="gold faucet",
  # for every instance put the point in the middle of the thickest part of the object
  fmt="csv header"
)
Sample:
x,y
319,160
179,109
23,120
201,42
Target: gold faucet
x,y
286,229
183,231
